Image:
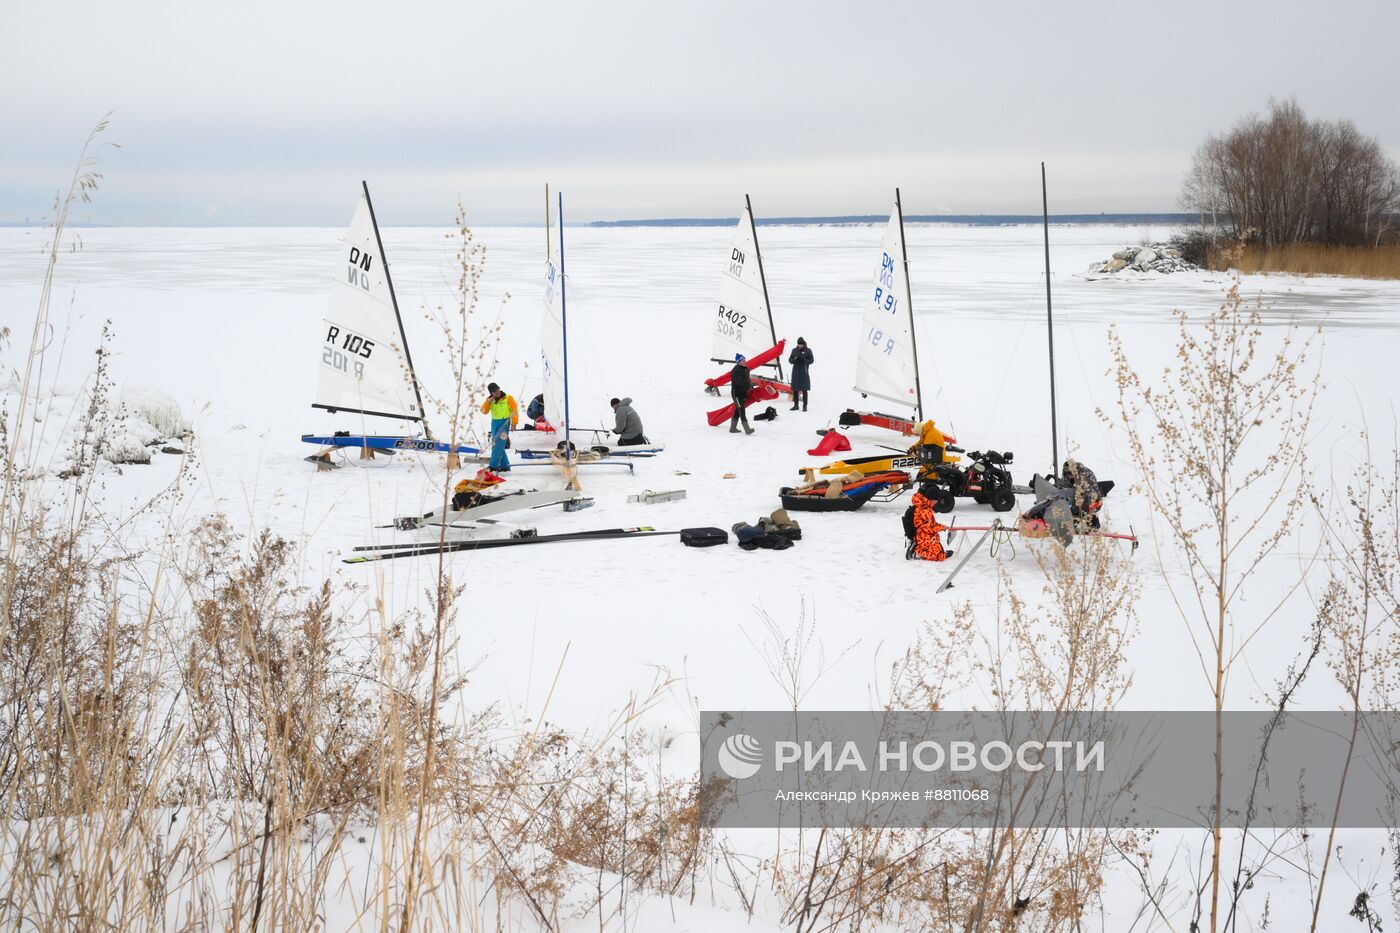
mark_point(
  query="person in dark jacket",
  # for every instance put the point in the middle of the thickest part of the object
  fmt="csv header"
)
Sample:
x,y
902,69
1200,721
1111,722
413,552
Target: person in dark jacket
x,y
740,385
628,425
799,359
1083,486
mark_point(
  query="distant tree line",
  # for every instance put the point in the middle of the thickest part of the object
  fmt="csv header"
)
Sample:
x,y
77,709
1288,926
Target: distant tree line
x,y
1283,178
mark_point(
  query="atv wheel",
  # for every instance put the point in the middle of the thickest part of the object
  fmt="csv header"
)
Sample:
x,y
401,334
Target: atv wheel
x,y
945,501
1002,500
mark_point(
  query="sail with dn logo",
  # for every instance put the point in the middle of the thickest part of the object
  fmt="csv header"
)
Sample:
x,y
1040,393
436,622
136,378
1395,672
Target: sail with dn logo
x,y
743,322
887,364
365,367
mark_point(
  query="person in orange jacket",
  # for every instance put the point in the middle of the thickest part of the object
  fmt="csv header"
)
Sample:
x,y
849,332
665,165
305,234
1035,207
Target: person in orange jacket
x,y
505,415
937,447
922,527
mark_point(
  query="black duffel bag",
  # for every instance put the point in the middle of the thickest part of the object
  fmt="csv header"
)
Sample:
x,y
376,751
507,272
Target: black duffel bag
x,y
704,537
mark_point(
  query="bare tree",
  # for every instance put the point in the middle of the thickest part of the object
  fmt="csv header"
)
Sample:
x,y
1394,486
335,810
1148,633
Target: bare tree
x,y
1285,178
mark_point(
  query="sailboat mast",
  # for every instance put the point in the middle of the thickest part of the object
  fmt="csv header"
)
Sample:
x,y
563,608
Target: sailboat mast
x,y
768,306
564,323
403,338
1050,324
909,303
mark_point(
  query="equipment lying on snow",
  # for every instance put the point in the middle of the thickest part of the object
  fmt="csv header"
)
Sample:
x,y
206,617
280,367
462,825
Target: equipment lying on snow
x,y
752,537
844,493
992,529
651,498
590,454
392,551
775,532
475,506
831,442
704,537
366,368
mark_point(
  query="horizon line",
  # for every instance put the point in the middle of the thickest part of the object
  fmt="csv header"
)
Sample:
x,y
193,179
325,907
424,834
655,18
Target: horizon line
x,y
1102,217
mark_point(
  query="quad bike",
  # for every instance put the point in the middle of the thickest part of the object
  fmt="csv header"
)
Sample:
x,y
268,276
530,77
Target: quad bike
x,y
985,477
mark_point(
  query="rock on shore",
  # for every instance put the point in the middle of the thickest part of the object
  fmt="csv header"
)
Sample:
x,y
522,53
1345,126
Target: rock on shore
x,y
1157,257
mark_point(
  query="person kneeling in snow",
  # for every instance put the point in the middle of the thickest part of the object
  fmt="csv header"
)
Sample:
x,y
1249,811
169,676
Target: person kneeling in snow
x,y
628,426
535,412
921,527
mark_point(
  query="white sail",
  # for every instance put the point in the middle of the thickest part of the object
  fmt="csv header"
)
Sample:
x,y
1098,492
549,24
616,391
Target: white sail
x,y
743,324
552,344
364,362
885,364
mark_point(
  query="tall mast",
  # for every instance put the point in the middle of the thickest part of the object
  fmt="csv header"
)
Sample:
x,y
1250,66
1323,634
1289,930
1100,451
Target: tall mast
x,y
1050,326
753,231
403,338
564,323
909,303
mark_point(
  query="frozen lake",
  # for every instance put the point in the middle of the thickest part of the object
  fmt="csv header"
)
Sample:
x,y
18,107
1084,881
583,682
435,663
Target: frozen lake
x,y
228,320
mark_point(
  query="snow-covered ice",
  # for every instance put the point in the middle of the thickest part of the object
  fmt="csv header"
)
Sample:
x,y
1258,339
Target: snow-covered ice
x,y
224,323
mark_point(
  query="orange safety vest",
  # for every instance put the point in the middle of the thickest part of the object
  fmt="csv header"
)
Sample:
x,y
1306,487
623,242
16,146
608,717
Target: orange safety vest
x,y
503,407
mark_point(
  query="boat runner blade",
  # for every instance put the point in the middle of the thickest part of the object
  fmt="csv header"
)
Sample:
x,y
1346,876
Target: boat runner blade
x,y
454,546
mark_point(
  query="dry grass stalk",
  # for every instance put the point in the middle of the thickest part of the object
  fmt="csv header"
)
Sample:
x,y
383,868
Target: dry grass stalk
x,y
1062,654
1218,443
1363,262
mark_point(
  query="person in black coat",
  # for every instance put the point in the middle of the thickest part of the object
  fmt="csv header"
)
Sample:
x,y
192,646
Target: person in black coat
x,y
799,359
740,384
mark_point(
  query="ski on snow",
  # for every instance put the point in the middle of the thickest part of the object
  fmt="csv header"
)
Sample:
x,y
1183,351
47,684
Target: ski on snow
x,y
427,550
401,546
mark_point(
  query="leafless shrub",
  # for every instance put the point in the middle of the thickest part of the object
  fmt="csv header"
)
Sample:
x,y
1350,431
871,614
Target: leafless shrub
x,y
1218,444
1059,654
1361,621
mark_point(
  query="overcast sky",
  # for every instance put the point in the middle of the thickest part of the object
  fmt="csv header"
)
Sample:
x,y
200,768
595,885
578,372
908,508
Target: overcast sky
x,y
248,112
